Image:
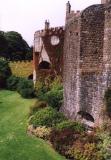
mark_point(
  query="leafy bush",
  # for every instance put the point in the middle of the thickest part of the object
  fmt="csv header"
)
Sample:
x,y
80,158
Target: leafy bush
x,y
56,83
46,117
104,144
88,151
26,88
5,72
12,82
75,126
37,106
40,89
92,146
54,98
50,91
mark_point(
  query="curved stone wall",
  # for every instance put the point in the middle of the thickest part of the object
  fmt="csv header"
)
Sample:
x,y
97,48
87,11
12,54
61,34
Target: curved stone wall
x,y
84,68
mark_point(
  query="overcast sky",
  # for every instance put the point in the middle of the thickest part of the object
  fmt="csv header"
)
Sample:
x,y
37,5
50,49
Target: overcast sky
x,y
27,16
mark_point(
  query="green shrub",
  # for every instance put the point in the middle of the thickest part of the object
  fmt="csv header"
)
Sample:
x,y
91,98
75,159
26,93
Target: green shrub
x,y
54,98
56,83
104,144
40,89
37,106
46,117
75,126
26,88
50,91
12,82
5,72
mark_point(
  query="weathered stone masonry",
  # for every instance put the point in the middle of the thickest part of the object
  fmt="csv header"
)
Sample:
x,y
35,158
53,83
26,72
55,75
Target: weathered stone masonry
x,y
48,51
87,61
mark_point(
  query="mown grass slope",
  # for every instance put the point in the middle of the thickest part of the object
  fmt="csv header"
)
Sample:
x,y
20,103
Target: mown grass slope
x,y
15,144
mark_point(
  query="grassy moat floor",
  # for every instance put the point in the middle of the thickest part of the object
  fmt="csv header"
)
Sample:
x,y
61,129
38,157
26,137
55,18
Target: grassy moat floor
x,y
15,144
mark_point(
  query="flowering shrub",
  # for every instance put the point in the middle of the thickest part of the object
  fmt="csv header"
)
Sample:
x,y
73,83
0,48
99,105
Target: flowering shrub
x,y
42,132
62,140
88,151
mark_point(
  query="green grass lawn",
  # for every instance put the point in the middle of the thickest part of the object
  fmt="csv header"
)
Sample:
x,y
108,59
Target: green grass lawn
x,y
15,144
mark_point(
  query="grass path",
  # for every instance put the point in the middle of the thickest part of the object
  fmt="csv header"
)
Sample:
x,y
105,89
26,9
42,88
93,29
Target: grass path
x,y
15,144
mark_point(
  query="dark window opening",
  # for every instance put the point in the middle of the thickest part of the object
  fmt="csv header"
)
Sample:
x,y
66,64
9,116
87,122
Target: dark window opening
x,y
30,77
44,65
85,115
77,33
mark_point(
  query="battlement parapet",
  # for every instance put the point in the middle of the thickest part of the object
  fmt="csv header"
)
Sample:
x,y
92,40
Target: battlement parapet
x,y
73,15
50,31
22,61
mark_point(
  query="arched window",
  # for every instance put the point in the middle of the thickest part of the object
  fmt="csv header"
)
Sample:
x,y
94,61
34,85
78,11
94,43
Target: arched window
x,y
44,65
30,77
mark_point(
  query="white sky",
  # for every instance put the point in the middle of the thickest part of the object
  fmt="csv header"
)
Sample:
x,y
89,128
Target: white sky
x,y
27,16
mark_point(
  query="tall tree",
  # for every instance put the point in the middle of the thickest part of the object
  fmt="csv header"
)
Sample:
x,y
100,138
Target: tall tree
x,y
5,72
3,44
17,46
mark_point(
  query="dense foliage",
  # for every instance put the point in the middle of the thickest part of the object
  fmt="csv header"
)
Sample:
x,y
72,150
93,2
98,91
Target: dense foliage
x,y
74,126
26,88
40,89
12,83
5,72
91,147
54,98
14,47
48,117
3,44
50,91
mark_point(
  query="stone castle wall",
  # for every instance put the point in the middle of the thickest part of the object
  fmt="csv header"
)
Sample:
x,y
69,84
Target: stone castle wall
x,y
87,59
71,57
91,60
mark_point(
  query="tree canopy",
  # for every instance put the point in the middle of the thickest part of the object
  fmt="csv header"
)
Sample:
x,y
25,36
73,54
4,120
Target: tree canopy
x,y
3,44
14,47
5,72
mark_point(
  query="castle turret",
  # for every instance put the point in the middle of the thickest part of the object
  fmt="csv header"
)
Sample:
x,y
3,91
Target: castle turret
x,y
105,1
68,7
47,25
